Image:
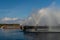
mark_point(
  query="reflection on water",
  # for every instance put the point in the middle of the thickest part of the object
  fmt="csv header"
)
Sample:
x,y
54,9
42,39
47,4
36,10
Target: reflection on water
x,y
11,34
18,35
42,36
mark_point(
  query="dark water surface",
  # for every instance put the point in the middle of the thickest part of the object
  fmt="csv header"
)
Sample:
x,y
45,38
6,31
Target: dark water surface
x,y
18,35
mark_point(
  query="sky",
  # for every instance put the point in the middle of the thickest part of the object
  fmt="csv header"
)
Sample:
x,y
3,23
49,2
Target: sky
x,y
48,15
21,8
16,10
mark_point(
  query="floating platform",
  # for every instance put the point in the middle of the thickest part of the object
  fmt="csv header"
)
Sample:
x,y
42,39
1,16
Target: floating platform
x,y
40,29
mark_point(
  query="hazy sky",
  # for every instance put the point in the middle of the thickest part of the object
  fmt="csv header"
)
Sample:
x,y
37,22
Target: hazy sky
x,y
22,8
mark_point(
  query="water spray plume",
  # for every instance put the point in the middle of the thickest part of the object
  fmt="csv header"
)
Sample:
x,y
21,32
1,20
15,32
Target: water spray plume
x,y
45,16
